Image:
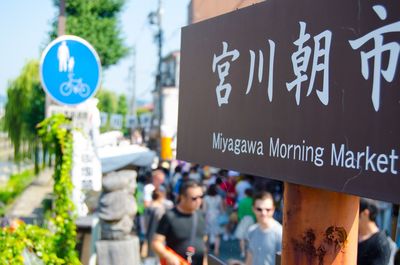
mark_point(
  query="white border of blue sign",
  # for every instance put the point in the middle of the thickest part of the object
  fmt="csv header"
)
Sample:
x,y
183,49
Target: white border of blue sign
x,y
46,50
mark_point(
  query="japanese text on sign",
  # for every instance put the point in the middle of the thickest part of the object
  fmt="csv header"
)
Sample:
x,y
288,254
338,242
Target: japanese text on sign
x,y
320,56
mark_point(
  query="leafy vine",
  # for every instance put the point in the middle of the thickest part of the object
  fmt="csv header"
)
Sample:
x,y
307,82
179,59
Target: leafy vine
x,y
56,132
54,246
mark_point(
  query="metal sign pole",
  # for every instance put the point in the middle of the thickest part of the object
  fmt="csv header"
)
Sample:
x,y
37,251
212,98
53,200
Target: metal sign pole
x,y
60,32
319,227
159,75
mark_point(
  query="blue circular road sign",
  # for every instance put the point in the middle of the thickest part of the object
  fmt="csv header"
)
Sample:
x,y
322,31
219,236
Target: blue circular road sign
x,y
70,70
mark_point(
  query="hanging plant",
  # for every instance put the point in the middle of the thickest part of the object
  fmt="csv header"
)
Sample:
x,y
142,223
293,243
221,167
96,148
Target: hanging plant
x,y
19,242
22,244
56,133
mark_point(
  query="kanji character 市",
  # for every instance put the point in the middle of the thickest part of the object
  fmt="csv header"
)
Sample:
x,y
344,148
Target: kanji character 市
x,y
392,48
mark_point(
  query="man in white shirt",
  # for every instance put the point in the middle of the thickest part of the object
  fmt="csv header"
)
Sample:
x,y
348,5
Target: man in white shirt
x,y
157,180
264,237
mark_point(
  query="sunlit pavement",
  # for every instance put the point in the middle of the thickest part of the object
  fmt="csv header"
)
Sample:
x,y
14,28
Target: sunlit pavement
x,y
229,250
27,206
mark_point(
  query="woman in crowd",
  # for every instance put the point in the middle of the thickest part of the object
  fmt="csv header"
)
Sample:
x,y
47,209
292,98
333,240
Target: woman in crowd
x,y
246,219
159,205
213,208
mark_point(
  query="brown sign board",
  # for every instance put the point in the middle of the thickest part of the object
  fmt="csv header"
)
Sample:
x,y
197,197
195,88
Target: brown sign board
x,y
301,91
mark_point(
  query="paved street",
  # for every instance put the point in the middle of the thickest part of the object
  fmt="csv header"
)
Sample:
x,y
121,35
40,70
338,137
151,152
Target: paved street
x,y
28,205
28,208
230,250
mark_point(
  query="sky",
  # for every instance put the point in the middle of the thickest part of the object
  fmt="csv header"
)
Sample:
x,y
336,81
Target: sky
x,y
24,27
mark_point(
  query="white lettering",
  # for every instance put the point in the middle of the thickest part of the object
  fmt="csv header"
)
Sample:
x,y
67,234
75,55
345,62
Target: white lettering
x,y
236,146
244,147
225,141
367,160
230,145
339,159
349,163
260,148
273,152
299,152
393,157
217,141
382,160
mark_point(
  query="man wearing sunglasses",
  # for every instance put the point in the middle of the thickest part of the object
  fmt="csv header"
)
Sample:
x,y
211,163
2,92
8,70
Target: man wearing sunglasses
x,y
264,237
182,229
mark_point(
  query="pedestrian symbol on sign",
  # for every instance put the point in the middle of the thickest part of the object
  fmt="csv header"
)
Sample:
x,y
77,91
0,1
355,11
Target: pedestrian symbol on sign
x,y
70,70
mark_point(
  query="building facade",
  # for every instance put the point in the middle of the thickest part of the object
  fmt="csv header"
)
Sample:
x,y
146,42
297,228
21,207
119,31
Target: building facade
x,y
203,9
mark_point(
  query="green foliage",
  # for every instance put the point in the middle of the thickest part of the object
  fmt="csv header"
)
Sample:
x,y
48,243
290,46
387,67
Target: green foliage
x,y
55,132
123,110
57,247
140,111
24,108
1,124
13,119
122,105
107,103
110,103
15,185
96,21
14,240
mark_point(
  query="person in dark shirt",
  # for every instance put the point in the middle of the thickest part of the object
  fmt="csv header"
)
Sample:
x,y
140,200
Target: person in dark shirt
x,y
373,246
182,229
154,212
397,258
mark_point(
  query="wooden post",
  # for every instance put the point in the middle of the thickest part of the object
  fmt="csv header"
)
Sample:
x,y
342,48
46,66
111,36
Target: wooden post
x,y
319,227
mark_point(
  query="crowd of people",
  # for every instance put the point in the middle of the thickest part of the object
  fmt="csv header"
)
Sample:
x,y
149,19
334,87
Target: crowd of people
x,y
223,201
187,210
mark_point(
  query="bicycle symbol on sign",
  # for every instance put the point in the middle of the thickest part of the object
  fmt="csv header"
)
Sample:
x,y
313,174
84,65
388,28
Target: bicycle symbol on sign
x,y
67,63
75,86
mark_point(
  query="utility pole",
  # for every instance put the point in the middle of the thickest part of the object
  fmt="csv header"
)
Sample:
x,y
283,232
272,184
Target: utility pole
x,y
156,19
60,32
159,75
132,79
61,19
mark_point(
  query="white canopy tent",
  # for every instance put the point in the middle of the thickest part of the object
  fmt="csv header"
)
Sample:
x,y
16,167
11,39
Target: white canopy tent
x,y
116,157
